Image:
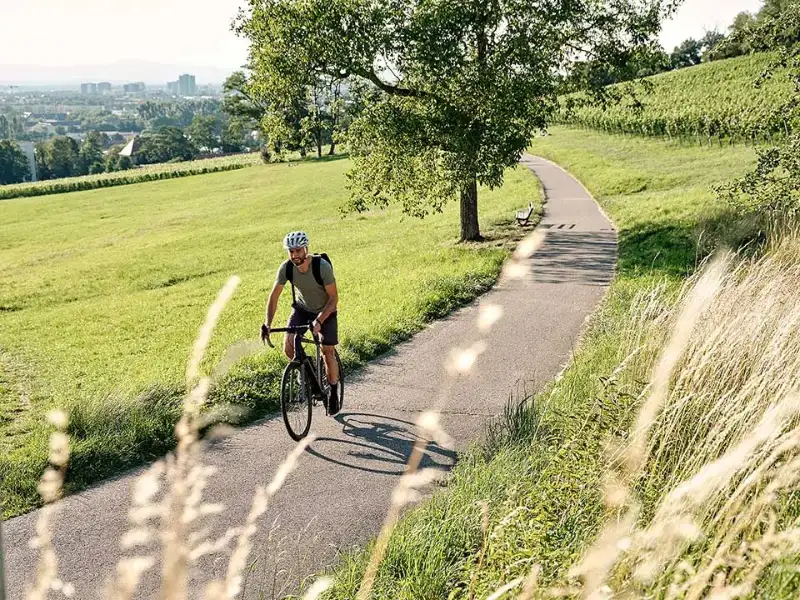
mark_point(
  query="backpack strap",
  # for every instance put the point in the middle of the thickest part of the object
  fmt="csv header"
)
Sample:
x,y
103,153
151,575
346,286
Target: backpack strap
x,y
316,268
290,278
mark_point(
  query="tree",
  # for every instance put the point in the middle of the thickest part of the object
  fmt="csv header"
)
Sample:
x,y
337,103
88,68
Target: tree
x,y
737,42
204,131
14,166
461,85
774,10
90,156
772,190
167,144
59,157
710,42
240,100
688,54
232,139
5,131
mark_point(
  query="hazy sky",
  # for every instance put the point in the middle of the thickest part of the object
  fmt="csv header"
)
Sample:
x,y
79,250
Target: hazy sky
x,y
197,32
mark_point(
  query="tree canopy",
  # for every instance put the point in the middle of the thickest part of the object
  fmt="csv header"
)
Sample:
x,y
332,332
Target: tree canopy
x,y
456,88
14,166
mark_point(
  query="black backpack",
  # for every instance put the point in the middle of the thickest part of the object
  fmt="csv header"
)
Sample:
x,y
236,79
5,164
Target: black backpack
x,y
316,270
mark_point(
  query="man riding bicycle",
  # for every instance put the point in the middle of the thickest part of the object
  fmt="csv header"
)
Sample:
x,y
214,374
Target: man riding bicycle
x,y
315,300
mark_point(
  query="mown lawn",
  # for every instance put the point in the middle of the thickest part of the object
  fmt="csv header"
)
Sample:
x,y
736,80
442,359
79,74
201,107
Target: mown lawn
x,y
102,293
541,471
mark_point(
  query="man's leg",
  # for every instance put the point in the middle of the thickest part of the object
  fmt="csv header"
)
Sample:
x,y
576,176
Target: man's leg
x,y
331,366
288,345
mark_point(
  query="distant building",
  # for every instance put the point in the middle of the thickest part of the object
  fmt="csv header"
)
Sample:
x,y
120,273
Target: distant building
x,y
174,87
132,149
88,88
104,87
30,152
134,88
187,85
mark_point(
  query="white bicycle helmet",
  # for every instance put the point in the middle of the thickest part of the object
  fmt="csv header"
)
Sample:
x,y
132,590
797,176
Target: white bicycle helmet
x,y
295,239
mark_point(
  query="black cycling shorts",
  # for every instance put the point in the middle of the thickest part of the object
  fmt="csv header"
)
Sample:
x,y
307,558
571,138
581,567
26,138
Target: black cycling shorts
x,y
330,328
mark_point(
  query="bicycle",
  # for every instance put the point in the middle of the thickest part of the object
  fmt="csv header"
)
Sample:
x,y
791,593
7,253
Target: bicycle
x,y
304,383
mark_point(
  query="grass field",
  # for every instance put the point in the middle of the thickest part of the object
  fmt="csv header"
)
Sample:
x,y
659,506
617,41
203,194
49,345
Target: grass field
x,y
541,472
102,294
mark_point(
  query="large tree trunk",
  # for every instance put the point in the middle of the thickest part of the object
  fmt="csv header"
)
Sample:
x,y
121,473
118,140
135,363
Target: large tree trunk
x,y
319,144
332,151
470,229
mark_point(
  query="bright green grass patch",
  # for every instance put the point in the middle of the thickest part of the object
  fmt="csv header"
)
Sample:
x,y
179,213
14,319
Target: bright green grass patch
x,y
103,292
541,468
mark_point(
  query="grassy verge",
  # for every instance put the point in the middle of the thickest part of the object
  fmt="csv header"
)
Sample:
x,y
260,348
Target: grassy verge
x,y
135,175
540,475
102,292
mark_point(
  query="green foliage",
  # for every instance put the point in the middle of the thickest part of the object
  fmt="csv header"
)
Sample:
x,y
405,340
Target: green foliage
x,y
60,158
90,158
460,87
145,262
138,175
167,144
712,101
772,190
14,166
689,53
204,131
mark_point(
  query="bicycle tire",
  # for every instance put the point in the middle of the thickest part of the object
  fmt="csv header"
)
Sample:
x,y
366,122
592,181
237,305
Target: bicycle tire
x,y
293,403
341,380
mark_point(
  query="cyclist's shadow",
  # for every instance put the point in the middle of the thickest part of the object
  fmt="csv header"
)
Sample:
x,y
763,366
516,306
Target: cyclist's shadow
x,y
378,444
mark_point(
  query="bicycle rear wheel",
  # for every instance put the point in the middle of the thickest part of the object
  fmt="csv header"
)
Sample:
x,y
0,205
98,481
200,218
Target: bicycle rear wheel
x,y
296,401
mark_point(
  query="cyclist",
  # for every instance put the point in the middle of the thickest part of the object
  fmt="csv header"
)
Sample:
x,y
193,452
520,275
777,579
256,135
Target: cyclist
x,y
315,300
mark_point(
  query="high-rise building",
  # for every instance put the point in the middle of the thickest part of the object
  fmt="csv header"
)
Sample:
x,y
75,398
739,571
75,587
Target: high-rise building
x,y
174,87
187,85
133,88
88,88
103,87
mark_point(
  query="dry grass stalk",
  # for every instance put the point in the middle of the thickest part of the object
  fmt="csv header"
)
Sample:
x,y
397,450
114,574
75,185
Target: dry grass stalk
x,y
459,363
177,514
484,530
717,439
50,489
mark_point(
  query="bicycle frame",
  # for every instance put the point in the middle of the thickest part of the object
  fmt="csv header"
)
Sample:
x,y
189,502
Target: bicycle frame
x,y
314,367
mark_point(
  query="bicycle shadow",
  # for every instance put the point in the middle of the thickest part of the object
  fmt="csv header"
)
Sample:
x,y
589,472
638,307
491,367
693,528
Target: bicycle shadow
x,y
378,440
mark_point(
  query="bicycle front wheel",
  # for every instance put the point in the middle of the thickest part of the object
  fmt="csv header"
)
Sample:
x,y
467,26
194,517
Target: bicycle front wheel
x,y
296,401
341,381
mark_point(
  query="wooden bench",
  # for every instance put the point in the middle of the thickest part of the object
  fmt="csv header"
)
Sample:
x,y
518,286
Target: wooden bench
x,y
524,216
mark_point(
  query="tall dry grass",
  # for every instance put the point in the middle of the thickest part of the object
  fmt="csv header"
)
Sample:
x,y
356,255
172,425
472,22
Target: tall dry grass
x,y
168,508
702,495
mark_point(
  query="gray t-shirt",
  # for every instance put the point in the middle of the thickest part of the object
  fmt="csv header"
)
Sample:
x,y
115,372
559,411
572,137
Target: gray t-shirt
x,y
311,296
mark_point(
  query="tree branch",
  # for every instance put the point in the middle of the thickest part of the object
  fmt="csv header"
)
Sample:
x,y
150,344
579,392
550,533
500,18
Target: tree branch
x,y
392,89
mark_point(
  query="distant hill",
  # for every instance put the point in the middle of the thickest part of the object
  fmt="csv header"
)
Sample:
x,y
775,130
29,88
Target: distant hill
x,y
116,73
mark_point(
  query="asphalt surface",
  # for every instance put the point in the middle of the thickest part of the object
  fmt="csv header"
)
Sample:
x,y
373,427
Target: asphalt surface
x,y
338,496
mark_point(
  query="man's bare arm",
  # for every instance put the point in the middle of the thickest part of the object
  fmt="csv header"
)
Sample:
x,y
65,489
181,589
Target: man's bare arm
x,y
272,303
331,304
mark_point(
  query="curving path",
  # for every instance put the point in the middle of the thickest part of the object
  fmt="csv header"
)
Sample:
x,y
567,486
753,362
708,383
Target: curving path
x,y
340,491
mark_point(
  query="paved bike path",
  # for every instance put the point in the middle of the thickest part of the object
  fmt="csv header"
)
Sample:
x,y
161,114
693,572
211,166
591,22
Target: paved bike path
x,y
339,494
